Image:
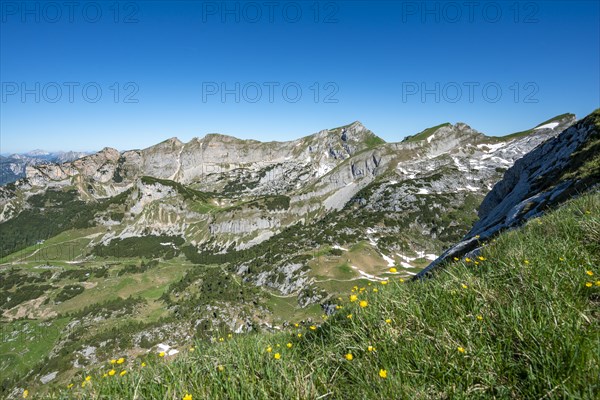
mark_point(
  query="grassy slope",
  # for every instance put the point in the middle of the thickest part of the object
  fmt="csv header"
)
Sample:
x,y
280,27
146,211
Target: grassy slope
x,y
424,134
529,131
527,322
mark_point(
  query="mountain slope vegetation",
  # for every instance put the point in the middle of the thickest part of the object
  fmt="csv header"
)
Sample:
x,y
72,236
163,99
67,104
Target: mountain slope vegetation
x,y
521,320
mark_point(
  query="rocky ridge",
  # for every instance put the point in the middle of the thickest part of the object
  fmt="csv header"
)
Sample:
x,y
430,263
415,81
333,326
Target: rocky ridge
x,y
555,171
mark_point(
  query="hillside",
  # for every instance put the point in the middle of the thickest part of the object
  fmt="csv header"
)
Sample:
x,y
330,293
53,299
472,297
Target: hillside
x,y
560,168
519,321
116,253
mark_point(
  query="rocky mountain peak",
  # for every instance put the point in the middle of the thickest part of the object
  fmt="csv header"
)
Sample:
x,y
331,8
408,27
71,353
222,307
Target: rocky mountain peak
x,y
559,168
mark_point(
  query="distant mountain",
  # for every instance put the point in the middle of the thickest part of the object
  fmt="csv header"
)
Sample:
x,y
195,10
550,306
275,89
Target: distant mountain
x,y
13,166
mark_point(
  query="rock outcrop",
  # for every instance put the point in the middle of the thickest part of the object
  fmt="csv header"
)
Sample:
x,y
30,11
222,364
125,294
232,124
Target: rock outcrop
x,y
556,170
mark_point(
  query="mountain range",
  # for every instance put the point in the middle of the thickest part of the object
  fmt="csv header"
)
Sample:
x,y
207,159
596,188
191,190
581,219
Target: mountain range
x,y
121,251
12,166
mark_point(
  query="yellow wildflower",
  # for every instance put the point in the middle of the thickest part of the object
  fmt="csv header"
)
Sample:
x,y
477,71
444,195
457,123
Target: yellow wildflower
x,y
353,298
561,258
338,307
277,356
349,316
588,284
296,325
464,286
299,335
375,290
111,372
388,321
467,260
221,368
455,258
221,339
120,360
371,348
481,258
187,397
289,345
229,336
363,303
597,283
104,375
526,262
384,282
143,364
25,393
88,378
113,361
382,373
123,373
590,273
161,354
479,318
460,350
401,280
83,384
349,356
393,270
269,349
69,386
313,328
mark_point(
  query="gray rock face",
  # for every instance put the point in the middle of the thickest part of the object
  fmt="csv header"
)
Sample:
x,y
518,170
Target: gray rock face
x,y
553,172
13,167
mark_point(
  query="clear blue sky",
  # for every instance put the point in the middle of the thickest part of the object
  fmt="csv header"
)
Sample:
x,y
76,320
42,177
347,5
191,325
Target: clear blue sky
x,y
372,57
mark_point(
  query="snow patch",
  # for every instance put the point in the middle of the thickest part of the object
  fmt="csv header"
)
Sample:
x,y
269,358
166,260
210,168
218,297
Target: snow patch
x,y
492,147
406,258
550,125
389,260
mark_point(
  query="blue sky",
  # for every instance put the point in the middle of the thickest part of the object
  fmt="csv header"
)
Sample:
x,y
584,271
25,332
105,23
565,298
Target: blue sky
x,y
398,67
